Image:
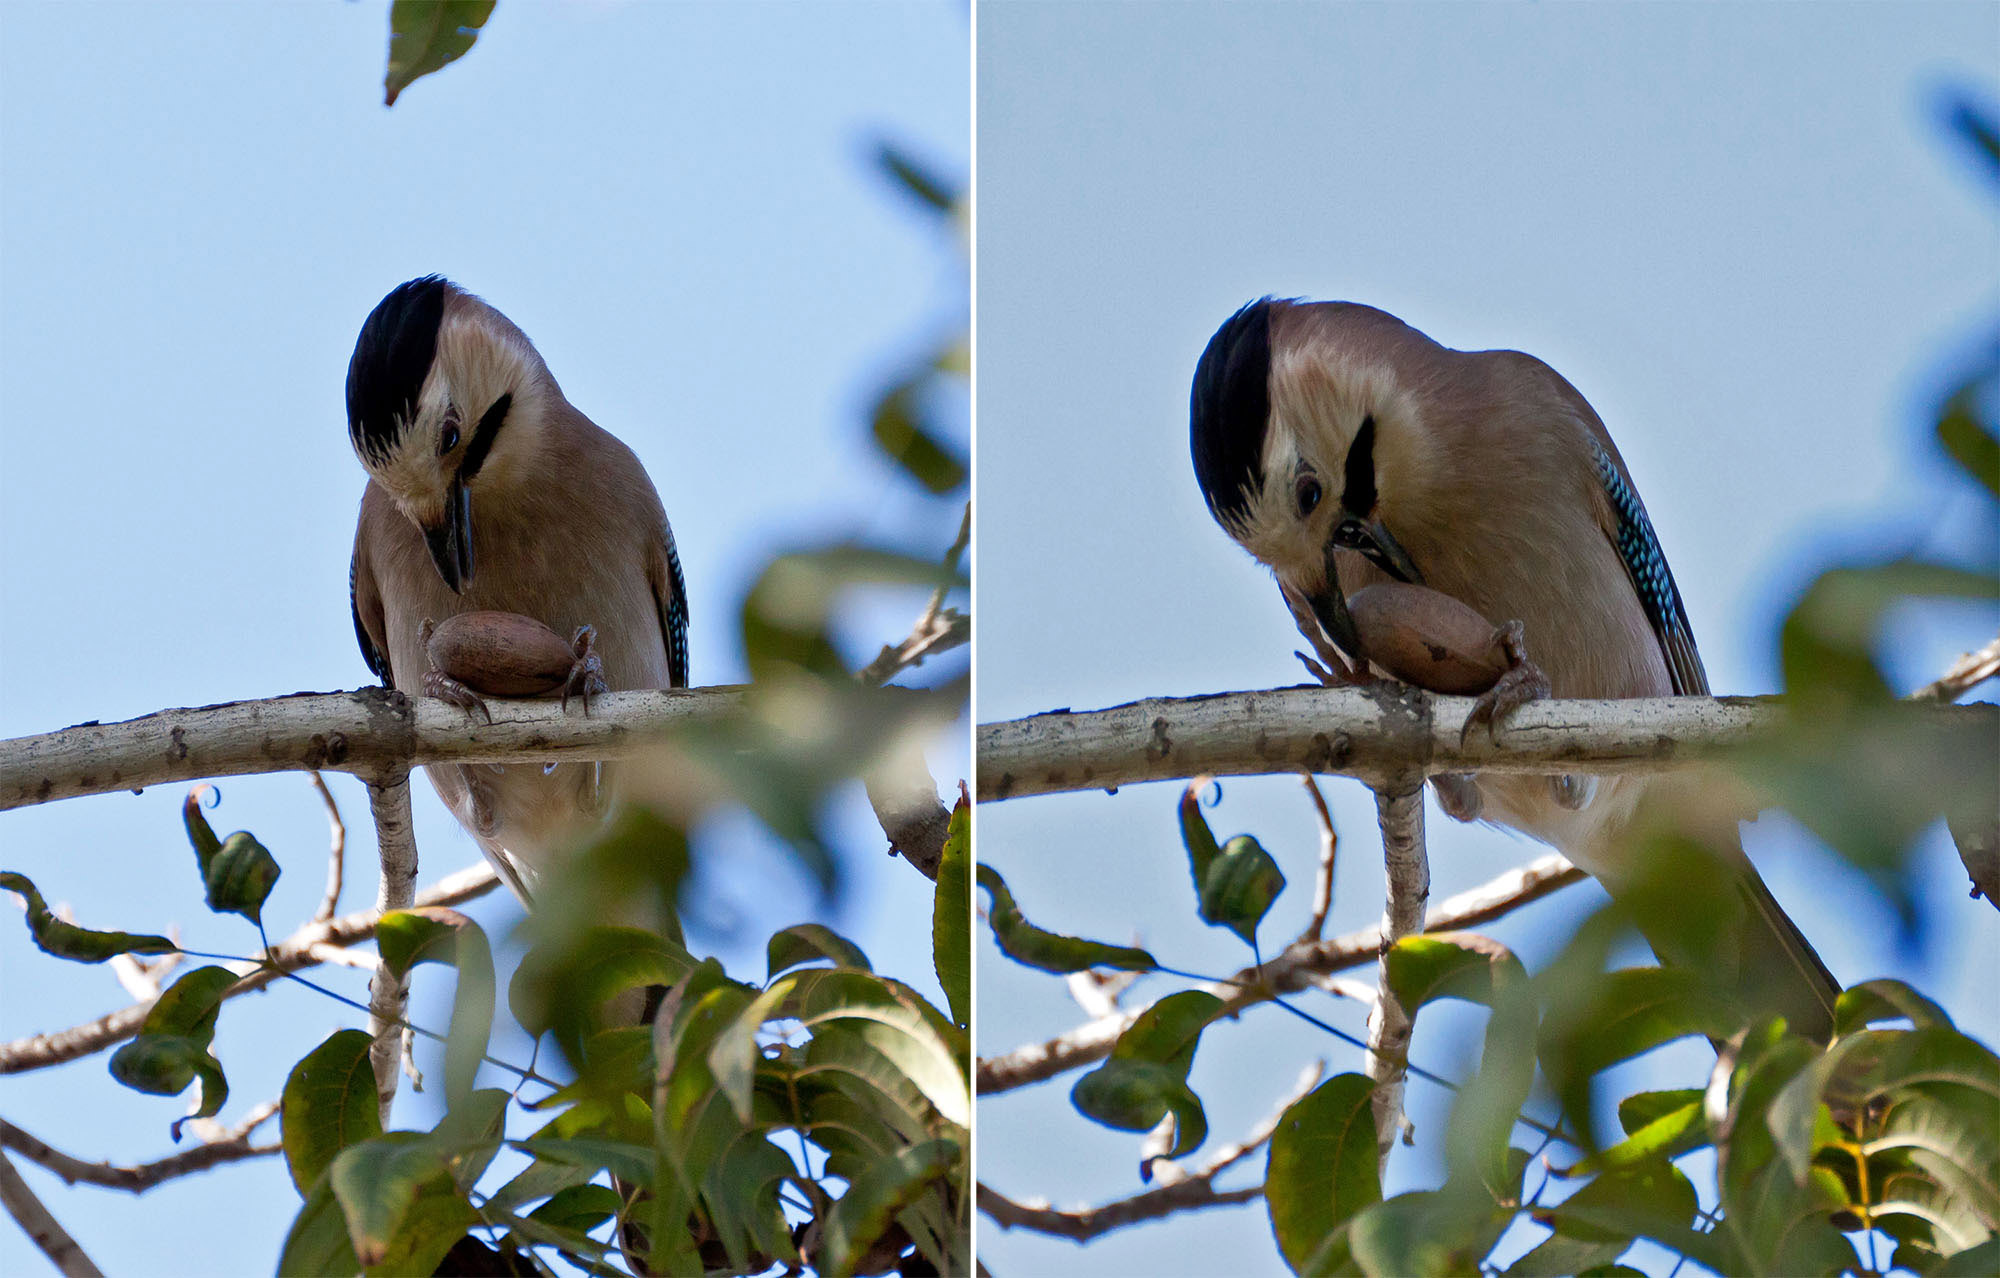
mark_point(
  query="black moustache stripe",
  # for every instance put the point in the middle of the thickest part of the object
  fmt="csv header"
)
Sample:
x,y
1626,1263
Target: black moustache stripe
x,y
1359,495
483,436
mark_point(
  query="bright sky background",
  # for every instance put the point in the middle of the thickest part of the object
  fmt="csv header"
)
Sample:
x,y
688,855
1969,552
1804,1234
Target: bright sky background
x,y
199,204
1738,230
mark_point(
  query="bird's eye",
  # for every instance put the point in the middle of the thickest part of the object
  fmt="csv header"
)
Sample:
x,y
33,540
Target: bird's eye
x,y
1308,494
448,440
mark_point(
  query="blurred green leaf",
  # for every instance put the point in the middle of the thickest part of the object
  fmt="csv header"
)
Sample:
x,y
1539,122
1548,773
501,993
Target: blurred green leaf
x,y
1968,439
951,914
804,943
579,1207
434,934
1321,1168
317,1243
1450,965
907,437
328,1104
1885,1000
1025,943
563,984
919,180
403,1209
871,1202
426,36
67,940
1426,1234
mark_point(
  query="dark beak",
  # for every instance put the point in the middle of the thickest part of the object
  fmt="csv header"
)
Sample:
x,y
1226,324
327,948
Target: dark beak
x,y
1371,540
451,541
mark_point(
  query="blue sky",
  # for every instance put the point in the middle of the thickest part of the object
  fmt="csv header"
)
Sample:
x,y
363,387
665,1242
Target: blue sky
x,y
198,206
1738,229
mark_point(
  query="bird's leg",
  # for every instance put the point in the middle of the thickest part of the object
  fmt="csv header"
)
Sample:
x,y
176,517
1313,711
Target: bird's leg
x,y
587,675
441,685
1523,682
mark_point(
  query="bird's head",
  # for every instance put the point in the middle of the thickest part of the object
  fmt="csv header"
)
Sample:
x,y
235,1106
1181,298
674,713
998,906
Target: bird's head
x,y
444,395
1301,431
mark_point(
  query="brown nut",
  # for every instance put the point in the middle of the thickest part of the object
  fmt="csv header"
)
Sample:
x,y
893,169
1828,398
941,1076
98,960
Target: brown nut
x,y
1427,639
501,654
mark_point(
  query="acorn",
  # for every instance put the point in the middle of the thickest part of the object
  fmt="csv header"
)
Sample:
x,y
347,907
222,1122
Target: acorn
x,y
1427,639
501,654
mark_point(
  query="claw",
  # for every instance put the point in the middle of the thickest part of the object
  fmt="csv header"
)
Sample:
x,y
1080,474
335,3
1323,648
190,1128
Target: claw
x,y
587,675
445,688
1523,682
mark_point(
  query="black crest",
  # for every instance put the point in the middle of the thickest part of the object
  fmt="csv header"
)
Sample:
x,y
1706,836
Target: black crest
x,y
391,359
1231,409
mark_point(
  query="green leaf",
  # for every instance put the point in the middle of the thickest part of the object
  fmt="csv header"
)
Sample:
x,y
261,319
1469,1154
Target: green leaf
x,y
1981,1261
581,1208
733,1055
951,914
1321,1168
1145,1078
67,940
1134,1095
873,1199
1027,944
426,36
328,1104
433,934
317,1243
622,1159
1195,833
1428,1234
237,873
1670,1134
171,1049
1450,965
1884,999
1642,1109
1239,887
895,1021
241,877
563,984
402,1206
805,943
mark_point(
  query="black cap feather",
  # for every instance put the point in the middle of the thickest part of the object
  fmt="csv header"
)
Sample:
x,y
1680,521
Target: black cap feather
x,y
391,359
1230,410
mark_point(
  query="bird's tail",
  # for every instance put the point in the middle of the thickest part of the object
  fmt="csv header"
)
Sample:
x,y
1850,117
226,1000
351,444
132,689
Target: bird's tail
x,y
1702,905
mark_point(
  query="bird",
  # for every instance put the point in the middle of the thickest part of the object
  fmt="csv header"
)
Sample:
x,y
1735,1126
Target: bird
x,y
1342,447
489,491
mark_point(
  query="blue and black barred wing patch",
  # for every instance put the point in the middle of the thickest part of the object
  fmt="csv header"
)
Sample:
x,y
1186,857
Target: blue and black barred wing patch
x,y
1632,534
378,664
672,604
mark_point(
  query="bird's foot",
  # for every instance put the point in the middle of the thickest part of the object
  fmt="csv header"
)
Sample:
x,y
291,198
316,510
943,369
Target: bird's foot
x,y
1458,795
1523,682
586,677
445,688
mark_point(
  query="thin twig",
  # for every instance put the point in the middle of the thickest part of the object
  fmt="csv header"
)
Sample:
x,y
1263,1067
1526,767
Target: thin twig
x,y
295,953
1407,870
1300,966
1329,845
395,837
1184,1193
53,1240
336,858
1965,674
233,1145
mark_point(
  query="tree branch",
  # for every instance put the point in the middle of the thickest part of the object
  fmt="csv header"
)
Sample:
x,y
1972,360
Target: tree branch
x,y
1299,966
1965,674
1382,734
294,953
1407,871
53,1240
232,1146
396,837
373,733
336,858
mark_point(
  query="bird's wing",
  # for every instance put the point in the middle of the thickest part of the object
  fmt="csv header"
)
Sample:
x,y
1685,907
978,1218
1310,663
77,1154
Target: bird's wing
x,y
663,573
1623,517
364,599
